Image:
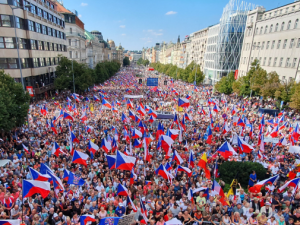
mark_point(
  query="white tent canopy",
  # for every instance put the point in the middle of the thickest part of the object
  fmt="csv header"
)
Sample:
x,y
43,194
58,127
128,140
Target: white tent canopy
x,y
173,221
3,162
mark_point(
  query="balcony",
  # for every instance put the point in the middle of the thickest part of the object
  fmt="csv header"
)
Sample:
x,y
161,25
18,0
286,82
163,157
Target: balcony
x,y
41,90
74,34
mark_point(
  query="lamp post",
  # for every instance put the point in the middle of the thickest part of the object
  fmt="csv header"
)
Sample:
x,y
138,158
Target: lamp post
x,y
17,40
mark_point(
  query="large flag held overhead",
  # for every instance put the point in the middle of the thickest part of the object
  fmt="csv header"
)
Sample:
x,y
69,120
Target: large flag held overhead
x,y
31,187
80,158
75,180
256,188
124,162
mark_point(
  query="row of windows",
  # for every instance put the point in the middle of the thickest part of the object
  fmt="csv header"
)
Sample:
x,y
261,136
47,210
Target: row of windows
x,y
276,61
12,63
8,21
40,12
266,29
10,42
272,44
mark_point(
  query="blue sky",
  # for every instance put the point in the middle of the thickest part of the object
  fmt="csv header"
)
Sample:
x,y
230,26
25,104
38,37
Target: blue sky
x,y
139,23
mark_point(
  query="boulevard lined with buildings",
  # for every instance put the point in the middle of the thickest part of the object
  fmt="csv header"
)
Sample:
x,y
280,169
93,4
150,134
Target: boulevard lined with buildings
x,y
44,31
244,33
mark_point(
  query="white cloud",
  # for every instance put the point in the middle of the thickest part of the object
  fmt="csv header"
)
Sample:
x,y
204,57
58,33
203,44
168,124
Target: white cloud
x,y
160,30
122,26
157,34
123,34
171,13
84,4
79,16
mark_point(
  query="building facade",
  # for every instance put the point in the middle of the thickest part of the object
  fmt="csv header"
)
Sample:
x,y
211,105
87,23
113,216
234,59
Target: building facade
x,y
198,49
41,40
273,38
76,38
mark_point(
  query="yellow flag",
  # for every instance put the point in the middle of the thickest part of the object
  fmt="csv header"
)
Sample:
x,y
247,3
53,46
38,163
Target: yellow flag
x,y
92,107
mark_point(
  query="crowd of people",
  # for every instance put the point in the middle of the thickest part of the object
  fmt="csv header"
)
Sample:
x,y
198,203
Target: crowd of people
x,y
187,194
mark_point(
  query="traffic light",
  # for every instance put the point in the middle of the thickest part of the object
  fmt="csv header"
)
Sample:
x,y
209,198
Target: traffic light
x,y
140,81
165,82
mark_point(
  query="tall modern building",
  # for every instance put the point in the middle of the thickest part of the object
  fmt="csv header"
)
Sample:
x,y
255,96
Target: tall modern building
x,y
273,38
40,38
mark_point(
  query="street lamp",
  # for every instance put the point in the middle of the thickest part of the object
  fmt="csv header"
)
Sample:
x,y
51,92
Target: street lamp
x,y
17,40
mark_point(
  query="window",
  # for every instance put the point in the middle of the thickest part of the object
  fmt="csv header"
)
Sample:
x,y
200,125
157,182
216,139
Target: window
x,y
46,46
5,21
268,44
45,15
271,28
7,42
3,63
47,61
275,61
49,31
70,54
289,25
275,13
261,30
273,44
35,62
23,43
40,12
280,12
53,32
281,61
70,30
55,47
266,29
50,17
52,61
287,9
40,45
294,62
33,44
292,43
44,29
287,63
298,44
276,27
269,63
33,9
282,26
296,23
19,23
58,34
12,63
256,31
284,44
264,61
42,62
70,42
262,45
38,28
50,46
25,63
31,25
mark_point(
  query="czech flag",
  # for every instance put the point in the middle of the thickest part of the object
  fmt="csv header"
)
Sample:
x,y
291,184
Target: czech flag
x,y
31,187
124,162
292,183
225,128
141,111
161,170
25,148
183,102
216,188
10,222
106,103
216,108
68,116
274,132
185,169
129,202
176,157
66,175
74,138
152,113
168,166
129,104
256,188
241,123
121,190
136,133
111,160
243,146
188,97
131,115
92,148
114,145
151,119
84,219
96,99
53,128
56,149
105,145
166,142
226,150
209,136
182,123
137,143
191,159
160,130
202,111
173,133
124,118
80,158
38,176
187,117
89,129
44,110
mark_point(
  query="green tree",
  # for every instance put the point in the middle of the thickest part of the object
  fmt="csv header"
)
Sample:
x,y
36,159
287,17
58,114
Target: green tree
x,y
14,103
271,85
295,98
285,91
225,84
140,61
126,61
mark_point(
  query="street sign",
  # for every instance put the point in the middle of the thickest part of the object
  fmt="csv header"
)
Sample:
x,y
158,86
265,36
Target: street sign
x,y
152,81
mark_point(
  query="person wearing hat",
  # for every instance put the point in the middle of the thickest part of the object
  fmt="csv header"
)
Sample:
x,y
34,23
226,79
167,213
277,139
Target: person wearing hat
x,y
175,209
267,210
255,204
120,210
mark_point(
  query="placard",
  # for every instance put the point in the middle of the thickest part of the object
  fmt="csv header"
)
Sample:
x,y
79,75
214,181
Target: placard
x,y
271,140
152,81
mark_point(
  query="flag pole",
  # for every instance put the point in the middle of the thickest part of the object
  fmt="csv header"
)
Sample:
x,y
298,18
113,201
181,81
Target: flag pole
x,y
22,200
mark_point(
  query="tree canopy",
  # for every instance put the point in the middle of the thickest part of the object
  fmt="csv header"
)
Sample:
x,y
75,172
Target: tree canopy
x,y
126,61
225,84
144,62
14,103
